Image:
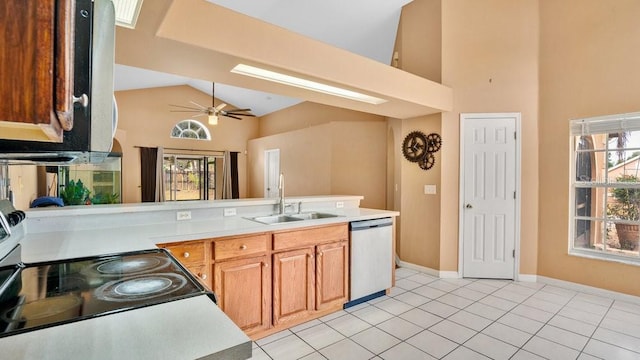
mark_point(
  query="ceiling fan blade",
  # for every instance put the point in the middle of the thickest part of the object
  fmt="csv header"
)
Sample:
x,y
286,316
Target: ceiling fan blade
x,y
198,105
186,107
239,114
220,107
232,116
187,111
238,110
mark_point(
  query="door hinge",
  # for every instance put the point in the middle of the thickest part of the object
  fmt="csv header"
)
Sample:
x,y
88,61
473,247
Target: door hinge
x,y
514,253
515,135
514,194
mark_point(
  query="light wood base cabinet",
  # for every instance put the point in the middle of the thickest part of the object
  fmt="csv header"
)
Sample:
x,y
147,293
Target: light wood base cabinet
x,y
243,288
332,275
267,282
194,256
293,285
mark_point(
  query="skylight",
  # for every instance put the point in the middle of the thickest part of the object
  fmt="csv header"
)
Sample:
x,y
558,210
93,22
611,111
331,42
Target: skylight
x,y
127,12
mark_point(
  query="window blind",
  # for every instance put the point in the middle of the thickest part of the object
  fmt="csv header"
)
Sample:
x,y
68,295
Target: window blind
x,y
606,124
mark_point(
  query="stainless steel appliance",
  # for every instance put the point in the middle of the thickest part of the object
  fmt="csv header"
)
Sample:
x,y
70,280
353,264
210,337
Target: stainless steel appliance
x,y
39,295
371,254
95,118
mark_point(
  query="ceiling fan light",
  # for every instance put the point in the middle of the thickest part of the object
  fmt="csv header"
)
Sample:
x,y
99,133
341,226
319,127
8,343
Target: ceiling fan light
x,y
213,119
280,78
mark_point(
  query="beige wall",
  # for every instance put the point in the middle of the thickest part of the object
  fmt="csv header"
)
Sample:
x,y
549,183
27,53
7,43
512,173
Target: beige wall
x,y
308,114
590,67
145,120
337,158
490,59
419,240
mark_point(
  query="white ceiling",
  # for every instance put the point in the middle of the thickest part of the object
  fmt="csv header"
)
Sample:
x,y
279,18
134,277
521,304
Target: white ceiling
x,y
364,27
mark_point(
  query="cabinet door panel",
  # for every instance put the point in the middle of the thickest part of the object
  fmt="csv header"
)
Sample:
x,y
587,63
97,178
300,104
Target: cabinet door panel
x,y
293,285
332,275
35,63
243,288
202,273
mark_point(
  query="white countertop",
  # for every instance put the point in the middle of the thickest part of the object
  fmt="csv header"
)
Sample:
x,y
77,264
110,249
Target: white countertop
x,y
188,329
185,329
67,244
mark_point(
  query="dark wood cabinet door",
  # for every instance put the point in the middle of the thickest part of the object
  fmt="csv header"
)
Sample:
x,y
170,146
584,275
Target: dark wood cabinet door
x,y
36,59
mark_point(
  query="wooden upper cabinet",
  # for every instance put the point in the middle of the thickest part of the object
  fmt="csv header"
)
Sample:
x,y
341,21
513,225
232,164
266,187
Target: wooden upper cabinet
x,y
36,68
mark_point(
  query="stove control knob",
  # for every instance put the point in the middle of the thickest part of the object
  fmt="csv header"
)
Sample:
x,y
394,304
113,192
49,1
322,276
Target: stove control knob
x,y
186,254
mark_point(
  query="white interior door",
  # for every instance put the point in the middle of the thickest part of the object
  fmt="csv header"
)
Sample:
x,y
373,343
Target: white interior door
x,y
488,185
271,172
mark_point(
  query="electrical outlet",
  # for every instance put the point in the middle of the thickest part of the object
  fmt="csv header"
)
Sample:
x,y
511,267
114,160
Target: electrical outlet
x,y
230,212
183,215
430,189
339,204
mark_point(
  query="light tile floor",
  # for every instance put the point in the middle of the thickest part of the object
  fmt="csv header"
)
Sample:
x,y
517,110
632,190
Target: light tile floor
x,y
429,318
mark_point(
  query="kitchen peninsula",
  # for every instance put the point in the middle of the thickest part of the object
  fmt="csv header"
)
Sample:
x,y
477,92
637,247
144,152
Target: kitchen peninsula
x,y
195,323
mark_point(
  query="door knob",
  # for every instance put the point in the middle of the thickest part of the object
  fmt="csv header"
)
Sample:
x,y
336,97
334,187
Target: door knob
x,y
469,206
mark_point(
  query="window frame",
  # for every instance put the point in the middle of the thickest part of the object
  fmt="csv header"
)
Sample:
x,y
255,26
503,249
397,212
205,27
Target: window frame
x,y
603,126
192,126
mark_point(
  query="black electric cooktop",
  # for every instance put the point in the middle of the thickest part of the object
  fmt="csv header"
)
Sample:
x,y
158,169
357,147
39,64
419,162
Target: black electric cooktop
x,y
35,296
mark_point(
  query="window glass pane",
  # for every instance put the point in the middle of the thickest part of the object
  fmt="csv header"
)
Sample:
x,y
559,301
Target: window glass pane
x,y
623,238
588,234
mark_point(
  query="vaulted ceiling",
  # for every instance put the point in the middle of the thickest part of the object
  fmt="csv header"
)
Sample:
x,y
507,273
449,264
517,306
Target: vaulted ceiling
x,y
363,27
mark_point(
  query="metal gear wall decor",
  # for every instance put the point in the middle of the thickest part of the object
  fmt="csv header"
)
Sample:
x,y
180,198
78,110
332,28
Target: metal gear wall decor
x,y
420,148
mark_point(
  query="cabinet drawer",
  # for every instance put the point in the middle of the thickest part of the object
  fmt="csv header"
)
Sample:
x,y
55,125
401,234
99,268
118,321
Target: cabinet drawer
x,y
310,237
187,253
240,246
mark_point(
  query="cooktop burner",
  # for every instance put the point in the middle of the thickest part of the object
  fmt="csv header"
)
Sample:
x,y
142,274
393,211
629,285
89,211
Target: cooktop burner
x,y
141,287
130,266
45,294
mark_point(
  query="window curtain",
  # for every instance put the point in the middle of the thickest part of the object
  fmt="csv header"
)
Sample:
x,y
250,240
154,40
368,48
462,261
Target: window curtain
x,y
151,174
230,187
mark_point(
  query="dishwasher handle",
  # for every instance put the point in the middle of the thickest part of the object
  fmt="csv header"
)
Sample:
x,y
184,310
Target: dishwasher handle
x,y
368,224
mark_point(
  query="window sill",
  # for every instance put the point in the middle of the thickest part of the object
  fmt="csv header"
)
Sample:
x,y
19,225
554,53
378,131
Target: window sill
x,y
604,257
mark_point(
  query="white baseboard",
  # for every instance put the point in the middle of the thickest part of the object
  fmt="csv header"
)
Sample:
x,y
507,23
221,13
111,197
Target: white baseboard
x,y
531,278
589,289
428,271
527,278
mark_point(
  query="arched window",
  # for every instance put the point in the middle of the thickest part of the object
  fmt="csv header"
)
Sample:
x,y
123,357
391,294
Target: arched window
x,y
190,129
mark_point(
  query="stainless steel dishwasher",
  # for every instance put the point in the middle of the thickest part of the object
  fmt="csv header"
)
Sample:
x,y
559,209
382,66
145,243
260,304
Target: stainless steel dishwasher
x,y
371,259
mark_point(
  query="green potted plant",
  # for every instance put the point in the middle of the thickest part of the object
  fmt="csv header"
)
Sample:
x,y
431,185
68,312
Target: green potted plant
x,y
626,206
75,193
105,198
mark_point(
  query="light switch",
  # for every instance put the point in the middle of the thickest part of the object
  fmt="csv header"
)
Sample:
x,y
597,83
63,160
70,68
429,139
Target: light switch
x,y
430,189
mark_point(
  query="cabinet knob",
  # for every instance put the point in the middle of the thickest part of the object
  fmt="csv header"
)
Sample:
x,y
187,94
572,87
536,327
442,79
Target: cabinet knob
x,y
265,264
203,276
243,247
83,100
320,253
186,254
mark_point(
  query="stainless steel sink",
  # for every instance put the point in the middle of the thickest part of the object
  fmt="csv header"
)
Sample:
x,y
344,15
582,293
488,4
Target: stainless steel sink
x,y
313,215
284,218
275,219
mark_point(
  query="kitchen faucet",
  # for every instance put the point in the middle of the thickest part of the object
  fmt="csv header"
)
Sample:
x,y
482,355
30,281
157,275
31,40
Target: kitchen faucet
x,y
281,191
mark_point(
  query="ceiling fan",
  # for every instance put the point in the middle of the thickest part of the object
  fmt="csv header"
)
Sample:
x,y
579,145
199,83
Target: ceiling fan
x,y
213,111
